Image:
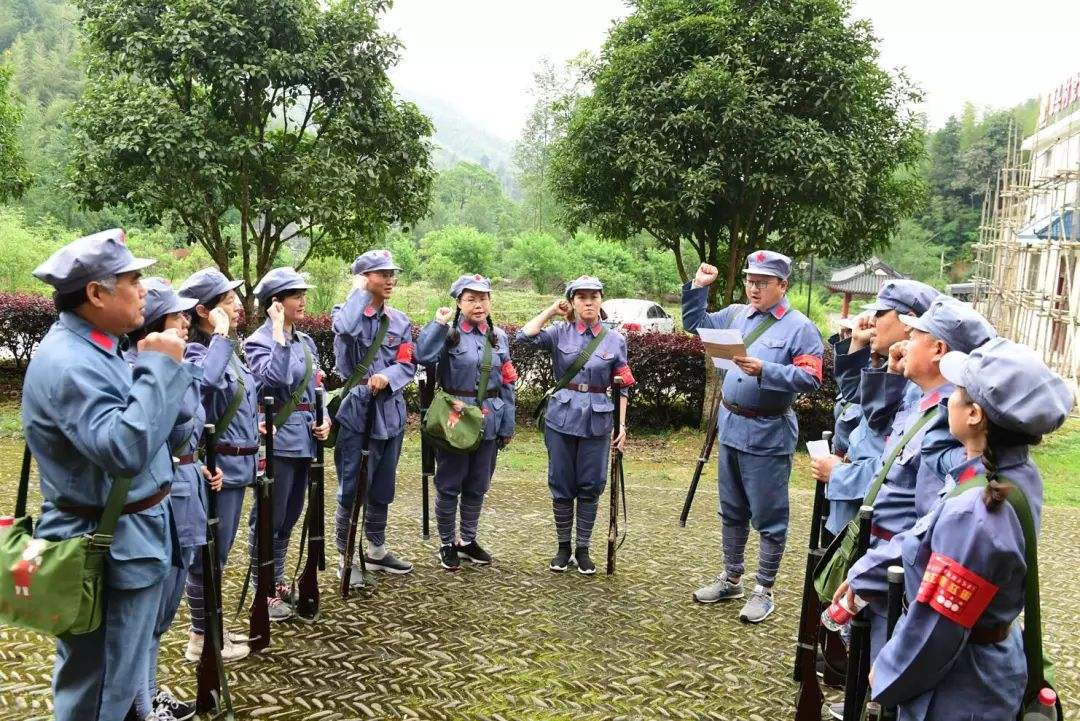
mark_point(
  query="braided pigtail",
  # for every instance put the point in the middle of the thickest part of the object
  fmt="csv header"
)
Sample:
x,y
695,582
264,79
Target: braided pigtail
x,y
995,491
455,334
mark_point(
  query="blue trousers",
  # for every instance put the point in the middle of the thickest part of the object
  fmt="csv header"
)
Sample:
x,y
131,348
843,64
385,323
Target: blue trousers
x,y
172,590
230,502
577,465
753,491
464,475
290,487
98,675
382,478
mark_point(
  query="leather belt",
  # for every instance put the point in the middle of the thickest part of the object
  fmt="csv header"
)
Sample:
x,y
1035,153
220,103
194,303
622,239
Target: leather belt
x,y
492,393
878,532
93,513
185,460
985,635
586,388
302,407
223,450
756,412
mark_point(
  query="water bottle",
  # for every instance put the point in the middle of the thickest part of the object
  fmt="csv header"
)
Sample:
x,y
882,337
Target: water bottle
x,y
838,614
1044,707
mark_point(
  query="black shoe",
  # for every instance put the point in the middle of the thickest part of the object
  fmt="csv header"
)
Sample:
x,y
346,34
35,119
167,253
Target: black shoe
x,y
167,707
388,564
472,552
562,558
448,557
584,563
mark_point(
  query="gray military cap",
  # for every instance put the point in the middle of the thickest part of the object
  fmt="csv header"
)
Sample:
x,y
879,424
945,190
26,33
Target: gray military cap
x,y
279,280
585,282
161,300
1012,384
477,282
372,261
767,262
904,296
958,324
206,284
89,258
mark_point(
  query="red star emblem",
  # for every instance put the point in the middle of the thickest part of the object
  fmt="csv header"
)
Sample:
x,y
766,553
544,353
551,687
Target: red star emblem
x,y
760,257
478,277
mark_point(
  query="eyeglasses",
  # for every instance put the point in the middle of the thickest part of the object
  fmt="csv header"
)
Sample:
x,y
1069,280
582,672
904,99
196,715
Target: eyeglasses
x,y
759,284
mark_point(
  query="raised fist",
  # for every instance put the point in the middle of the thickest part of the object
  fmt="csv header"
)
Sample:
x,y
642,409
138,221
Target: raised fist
x,y
276,313
560,307
443,315
219,318
897,357
359,282
864,331
167,342
706,275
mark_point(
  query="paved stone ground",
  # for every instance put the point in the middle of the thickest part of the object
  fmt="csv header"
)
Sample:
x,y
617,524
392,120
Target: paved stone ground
x,y
515,641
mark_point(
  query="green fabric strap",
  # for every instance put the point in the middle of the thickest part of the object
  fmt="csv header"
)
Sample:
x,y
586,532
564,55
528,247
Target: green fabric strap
x,y
759,330
103,536
579,363
1033,645
294,400
361,370
234,402
871,495
485,373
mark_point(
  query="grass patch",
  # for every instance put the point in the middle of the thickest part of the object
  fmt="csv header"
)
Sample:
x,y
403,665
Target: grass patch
x,y
1058,458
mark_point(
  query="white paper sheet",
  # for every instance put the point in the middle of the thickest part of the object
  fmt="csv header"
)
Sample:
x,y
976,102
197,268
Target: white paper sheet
x,y
818,449
722,344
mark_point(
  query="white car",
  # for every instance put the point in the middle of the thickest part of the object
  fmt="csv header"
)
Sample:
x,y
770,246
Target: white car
x,y
636,315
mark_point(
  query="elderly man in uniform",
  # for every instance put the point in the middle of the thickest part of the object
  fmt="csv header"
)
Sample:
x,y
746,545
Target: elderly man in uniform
x,y
90,418
757,426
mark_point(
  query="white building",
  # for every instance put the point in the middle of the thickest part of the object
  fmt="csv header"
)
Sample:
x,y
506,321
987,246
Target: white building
x,y
1027,270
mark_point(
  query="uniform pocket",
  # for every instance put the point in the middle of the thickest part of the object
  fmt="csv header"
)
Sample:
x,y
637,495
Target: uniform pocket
x,y
601,418
558,408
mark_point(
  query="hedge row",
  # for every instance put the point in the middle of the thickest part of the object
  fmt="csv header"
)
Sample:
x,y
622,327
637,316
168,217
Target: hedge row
x,y
669,368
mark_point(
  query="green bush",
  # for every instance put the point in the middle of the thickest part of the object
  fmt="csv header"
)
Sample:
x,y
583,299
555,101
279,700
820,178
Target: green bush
x,y
329,276
611,262
467,249
440,270
405,255
539,258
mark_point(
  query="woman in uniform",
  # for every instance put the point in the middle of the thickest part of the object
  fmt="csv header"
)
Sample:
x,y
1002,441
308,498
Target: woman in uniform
x,y
957,652
165,311
454,343
579,430
230,399
285,363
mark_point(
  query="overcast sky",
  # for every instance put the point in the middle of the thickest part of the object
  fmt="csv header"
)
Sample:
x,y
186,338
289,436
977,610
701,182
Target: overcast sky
x,y
479,55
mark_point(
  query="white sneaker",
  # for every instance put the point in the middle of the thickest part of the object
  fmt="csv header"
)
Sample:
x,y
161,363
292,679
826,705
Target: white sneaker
x,y
356,579
230,651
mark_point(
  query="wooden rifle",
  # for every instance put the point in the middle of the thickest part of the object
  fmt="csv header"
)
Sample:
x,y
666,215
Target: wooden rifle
x,y
809,697
857,682
307,600
427,451
617,482
212,693
259,614
359,501
711,432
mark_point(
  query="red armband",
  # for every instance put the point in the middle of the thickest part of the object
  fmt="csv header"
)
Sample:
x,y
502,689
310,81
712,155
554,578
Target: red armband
x,y
810,363
405,353
509,372
957,593
624,374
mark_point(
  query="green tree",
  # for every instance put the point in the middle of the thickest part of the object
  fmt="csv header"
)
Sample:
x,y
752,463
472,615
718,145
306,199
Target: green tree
x,y
741,123
14,175
539,258
469,250
256,116
440,270
467,194
405,255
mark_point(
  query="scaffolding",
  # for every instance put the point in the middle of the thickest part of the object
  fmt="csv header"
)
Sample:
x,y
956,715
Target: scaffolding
x,y
1028,253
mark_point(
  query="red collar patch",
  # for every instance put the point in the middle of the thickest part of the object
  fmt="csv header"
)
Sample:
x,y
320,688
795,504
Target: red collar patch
x,y
102,340
468,327
930,401
780,311
369,311
595,328
966,475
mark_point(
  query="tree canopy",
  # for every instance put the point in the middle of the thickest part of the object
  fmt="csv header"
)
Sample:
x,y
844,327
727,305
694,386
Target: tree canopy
x,y
730,124
14,176
274,118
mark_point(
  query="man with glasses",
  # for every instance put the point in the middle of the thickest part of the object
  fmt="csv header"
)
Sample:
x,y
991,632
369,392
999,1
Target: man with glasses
x,y
757,426
357,325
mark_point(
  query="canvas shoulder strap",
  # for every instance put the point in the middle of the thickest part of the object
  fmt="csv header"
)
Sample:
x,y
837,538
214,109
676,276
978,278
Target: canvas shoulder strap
x,y
294,399
759,330
579,362
1033,645
485,373
871,494
362,368
234,402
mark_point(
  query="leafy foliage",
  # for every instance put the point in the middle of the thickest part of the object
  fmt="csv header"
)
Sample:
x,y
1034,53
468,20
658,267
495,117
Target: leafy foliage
x,y
467,249
24,320
14,175
278,115
733,124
